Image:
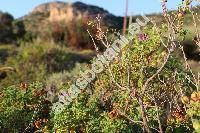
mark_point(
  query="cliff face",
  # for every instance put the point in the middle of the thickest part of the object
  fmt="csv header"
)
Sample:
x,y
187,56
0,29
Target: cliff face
x,y
66,14
44,8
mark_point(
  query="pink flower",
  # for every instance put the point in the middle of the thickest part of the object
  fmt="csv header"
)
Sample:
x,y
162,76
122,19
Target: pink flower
x,y
143,37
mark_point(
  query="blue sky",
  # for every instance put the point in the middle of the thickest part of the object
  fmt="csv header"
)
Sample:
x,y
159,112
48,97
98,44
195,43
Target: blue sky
x,y
19,8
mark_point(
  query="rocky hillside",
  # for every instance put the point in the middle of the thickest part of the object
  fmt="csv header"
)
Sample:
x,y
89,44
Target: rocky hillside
x,y
67,22
61,11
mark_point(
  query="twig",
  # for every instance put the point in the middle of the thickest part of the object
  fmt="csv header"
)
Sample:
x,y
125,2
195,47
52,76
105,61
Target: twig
x,y
153,76
127,117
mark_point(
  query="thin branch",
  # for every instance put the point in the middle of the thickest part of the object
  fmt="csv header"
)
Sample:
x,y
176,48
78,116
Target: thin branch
x,y
128,118
153,76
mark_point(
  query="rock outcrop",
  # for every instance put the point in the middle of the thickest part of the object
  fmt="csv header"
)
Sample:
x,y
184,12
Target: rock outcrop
x,y
61,11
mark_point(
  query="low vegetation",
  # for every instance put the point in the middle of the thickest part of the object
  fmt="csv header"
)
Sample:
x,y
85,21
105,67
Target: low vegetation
x,y
151,87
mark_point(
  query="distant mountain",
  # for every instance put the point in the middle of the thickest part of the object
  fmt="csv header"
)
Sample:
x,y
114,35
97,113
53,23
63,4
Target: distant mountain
x,y
61,11
67,22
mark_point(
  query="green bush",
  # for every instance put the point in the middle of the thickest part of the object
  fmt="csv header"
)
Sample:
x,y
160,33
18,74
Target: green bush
x,y
6,35
21,106
36,61
139,92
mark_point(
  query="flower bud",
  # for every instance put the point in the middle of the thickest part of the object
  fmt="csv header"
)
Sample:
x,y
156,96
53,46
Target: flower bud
x,y
185,99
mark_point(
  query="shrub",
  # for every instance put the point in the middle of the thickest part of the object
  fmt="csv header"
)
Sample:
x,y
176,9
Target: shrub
x,y
18,29
22,106
141,90
6,35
